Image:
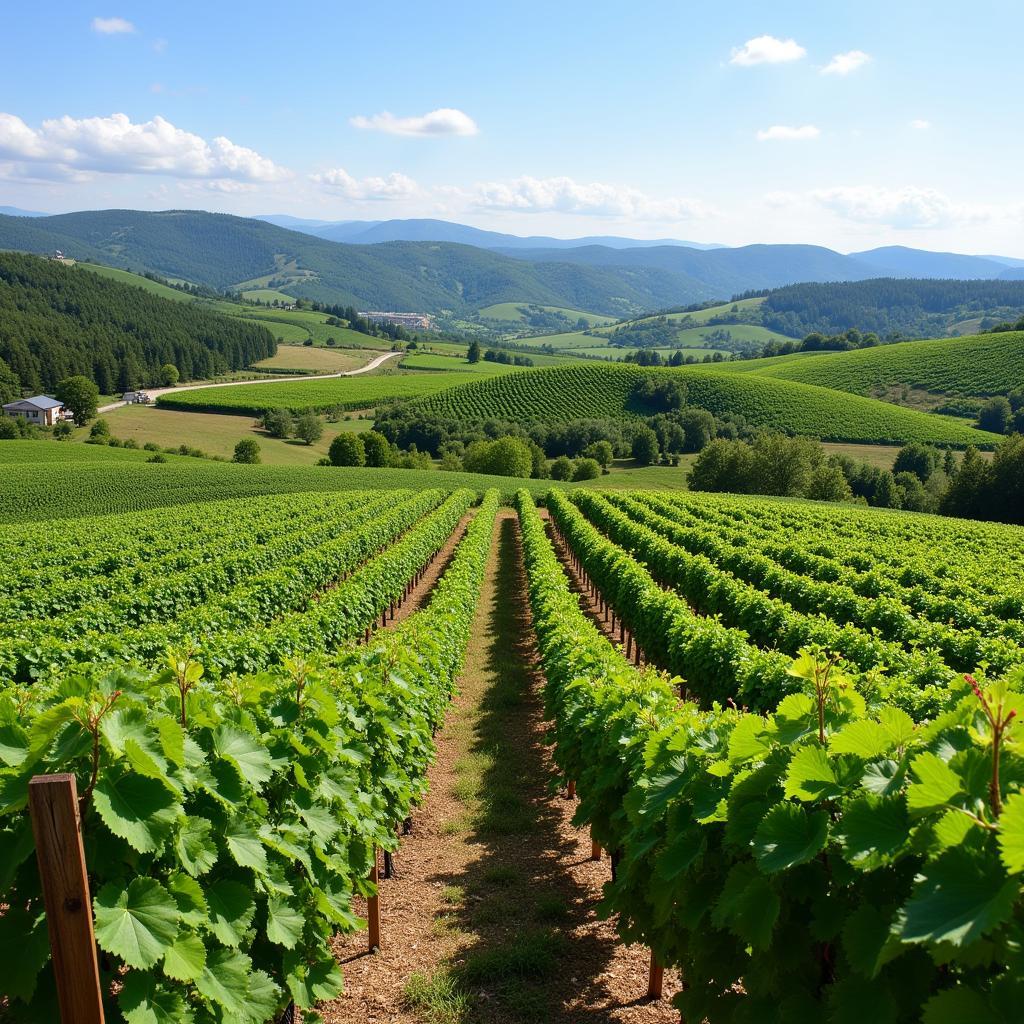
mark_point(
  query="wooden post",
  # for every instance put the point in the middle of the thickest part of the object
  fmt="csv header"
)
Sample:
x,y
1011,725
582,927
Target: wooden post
x,y
53,804
656,980
595,850
571,790
373,908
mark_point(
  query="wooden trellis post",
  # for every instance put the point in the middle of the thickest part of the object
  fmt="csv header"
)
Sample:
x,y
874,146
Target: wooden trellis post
x,y
53,805
656,980
373,908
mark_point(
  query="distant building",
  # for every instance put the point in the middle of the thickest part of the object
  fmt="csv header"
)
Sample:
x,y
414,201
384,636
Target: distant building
x,y
59,257
41,410
415,321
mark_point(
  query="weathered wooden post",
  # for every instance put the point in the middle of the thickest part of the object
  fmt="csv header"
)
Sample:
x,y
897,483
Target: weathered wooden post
x,y
53,805
373,908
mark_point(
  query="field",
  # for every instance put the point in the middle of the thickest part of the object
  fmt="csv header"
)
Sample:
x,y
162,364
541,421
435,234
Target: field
x,y
453,363
987,364
510,312
344,393
268,295
125,277
582,391
314,359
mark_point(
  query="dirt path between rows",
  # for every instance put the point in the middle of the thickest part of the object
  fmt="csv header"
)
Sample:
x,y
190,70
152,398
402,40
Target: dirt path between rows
x,y
490,917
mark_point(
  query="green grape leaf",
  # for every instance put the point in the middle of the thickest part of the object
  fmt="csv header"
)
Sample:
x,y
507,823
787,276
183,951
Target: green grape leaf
x,y
195,846
263,1000
120,725
244,845
231,911
137,923
936,784
868,940
873,830
789,836
1011,834
243,751
897,723
749,740
810,776
185,960
863,738
748,905
959,1005
139,810
285,922
143,1000
26,951
13,744
959,898
189,897
310,984
225,979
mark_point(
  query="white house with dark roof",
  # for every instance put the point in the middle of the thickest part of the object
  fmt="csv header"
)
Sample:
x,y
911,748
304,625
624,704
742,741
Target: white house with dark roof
x,y
41,410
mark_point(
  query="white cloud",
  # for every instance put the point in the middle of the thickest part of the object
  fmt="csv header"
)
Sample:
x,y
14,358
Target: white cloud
x,y
116,145
767,50
564,195
112,26
904,208
920,125
788,133
845,63
391,186
445,121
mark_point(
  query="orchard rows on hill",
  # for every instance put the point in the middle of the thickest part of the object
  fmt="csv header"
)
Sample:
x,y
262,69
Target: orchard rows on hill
x,y
812,811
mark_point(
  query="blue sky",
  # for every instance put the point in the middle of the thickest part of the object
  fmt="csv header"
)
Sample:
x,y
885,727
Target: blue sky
x,y
848,125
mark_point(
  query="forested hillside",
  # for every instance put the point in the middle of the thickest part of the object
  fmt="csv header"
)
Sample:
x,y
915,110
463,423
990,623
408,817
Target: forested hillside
x,y
57,321
922,308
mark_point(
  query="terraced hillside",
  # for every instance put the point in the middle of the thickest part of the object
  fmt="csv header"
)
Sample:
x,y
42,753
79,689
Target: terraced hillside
x,y
582,391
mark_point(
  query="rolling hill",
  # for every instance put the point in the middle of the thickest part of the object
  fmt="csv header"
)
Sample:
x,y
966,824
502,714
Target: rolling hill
x,y
585,391
987,364
57,321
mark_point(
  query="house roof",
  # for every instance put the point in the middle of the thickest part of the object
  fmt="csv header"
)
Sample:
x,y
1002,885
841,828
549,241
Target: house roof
x,y
36,402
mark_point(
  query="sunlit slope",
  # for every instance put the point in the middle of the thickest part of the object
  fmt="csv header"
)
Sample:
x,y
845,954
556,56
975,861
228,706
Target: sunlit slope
x,y
583,391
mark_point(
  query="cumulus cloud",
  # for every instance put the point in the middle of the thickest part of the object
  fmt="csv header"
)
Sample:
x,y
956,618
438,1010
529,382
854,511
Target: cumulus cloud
x,y
767,50
445,121
920,125
788,133
116,145
904,208
564,195
391,186
846,63
112,26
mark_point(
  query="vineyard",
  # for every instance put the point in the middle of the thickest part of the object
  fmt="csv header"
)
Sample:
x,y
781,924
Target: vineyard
x,y
990,364
584,391
791,725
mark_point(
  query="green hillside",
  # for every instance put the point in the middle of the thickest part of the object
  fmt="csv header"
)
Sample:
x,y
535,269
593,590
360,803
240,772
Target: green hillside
x,y
512,312
986,364
57,321
583,391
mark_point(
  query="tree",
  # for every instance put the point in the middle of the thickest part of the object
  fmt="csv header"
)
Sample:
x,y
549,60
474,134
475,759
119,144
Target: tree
x,y
540,461
920,459
996,415
81,396
309,428
61,430
278,423
347,450
723,466
10,384
913,496
887,492
601,452
828,483
169,375
645,446
562,468
586,469
473,353
247,451
377,449
507,456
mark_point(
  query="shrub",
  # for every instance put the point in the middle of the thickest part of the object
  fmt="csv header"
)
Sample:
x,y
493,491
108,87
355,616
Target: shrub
x,y
347,450
246,451
308,428
562,468
586,469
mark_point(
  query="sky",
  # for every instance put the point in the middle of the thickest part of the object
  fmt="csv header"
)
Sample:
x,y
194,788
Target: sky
x,y
850,125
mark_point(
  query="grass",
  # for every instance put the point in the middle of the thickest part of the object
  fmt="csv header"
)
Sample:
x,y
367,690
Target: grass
x,y
126,277
315,359
510,312
438,998
425,361
268,295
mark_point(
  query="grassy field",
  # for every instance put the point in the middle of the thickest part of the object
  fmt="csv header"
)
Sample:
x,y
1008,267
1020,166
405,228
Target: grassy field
x,y
561,342
316,359
454,363
126,277
510,312
702,316
268,295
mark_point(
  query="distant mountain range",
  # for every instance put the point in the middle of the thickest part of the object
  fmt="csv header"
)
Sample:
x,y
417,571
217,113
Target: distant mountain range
x,y
431,266
14,211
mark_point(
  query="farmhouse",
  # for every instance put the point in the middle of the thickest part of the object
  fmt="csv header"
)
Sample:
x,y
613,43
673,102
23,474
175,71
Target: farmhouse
x,y
416,321
41,410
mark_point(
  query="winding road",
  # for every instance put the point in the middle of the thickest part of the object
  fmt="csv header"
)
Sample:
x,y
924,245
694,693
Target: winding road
x,y
292,379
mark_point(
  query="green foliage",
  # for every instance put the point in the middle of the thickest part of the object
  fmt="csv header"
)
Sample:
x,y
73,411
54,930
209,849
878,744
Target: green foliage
x,y
247,451
58,322
81,396
377,449
347,450
169,375
645,447
309,427
586,469
506,456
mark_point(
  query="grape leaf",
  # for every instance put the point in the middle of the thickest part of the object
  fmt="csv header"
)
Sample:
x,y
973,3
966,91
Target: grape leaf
x,y
863,738
1011,834
810,776
789,836
137,923
936,784
244,753
873,830
139,810
185,960
310,984
244,845
284,922
959,1005
231,911
143,1000
225,979
195,847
